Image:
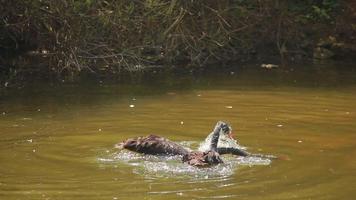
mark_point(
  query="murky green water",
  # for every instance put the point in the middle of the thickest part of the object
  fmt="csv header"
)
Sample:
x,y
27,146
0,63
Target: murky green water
x,y
58,142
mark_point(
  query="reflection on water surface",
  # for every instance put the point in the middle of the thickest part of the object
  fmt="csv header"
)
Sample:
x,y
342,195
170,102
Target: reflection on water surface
x,y
58,142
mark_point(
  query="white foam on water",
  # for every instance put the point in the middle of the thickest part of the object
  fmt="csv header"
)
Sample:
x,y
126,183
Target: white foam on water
x,y
224,141
153,166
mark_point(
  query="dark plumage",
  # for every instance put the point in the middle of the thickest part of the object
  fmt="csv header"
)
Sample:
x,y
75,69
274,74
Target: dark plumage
x,y
157,145
202,159
154,145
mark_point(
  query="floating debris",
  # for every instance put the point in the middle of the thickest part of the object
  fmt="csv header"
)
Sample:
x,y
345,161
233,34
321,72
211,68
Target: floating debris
x,y
26,118
29,140
279,125
300,141
229,107
269,66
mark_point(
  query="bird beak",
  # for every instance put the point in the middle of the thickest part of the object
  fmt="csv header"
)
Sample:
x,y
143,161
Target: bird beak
x,y
231,135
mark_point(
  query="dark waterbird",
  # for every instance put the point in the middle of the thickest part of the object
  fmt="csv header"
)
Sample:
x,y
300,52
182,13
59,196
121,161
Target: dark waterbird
x,y
156,145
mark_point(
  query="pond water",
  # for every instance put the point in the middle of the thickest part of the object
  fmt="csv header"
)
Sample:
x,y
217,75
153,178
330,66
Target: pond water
x,y
57,142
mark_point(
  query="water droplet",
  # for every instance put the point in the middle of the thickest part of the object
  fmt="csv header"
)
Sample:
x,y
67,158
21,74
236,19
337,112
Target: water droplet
x,y
181,122
279,125
132,106
299,141
34,150
99,129
39,110
229,107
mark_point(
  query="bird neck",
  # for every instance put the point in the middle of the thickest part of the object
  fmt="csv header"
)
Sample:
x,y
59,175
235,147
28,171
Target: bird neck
x,y
215,139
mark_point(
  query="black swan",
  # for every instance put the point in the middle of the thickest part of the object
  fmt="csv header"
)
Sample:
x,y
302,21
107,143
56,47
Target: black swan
x,y
157,145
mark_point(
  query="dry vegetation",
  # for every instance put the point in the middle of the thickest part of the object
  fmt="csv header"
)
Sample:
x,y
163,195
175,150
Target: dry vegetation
x,y
67,37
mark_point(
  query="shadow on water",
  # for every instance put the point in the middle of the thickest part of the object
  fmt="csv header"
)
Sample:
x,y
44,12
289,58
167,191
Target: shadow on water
x,y
249,77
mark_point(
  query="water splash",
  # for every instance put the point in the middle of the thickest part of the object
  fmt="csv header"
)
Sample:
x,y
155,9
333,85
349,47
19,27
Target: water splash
x,y
153,166
224,141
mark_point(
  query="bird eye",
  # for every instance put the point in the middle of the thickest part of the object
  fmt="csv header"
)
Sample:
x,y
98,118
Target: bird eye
x,y
225,128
